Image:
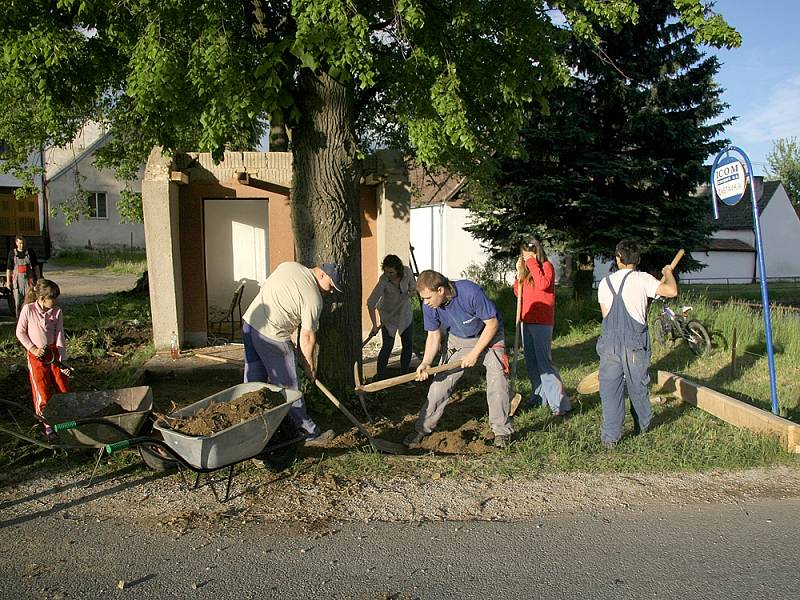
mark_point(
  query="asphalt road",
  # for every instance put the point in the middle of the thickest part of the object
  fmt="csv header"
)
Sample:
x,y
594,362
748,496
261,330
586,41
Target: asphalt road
x,y
725,551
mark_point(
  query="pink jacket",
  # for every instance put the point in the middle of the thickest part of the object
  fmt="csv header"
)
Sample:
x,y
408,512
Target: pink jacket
x,y
40,328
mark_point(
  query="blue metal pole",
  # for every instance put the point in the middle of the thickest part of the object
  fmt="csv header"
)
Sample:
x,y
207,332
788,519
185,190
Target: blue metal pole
x,y
773,386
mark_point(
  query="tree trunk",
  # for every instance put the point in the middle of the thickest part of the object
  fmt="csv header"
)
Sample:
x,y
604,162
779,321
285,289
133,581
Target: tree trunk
x,y
326,215
584,276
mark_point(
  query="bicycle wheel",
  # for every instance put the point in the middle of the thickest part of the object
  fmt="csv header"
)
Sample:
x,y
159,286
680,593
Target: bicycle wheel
x,y
661,332
698,339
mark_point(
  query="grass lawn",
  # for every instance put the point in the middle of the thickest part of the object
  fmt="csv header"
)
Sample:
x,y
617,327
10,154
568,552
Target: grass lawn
x,y
117,261
683,438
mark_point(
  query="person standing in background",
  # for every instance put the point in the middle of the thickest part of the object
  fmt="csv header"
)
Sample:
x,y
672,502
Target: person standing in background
x,y
391,297
537,278
21,271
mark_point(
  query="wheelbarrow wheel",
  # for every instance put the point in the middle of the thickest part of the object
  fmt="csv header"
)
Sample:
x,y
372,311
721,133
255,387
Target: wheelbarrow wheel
x,y
281,458
156,459
153,456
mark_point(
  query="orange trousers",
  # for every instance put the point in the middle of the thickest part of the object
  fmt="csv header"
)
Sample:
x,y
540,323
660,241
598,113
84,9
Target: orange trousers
x,y
46,380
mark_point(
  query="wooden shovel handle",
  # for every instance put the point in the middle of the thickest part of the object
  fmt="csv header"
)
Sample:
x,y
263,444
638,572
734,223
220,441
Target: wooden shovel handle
x,y
335,401
393,381
676,260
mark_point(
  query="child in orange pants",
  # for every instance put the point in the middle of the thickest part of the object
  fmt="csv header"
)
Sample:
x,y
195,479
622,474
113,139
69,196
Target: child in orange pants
x,y
40,328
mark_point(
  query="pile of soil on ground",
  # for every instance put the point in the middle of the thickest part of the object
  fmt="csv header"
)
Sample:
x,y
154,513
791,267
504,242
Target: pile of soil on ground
x,y
219,416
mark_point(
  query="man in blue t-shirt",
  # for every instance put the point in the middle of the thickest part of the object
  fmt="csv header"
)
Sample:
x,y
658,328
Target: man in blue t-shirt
x,y
475,335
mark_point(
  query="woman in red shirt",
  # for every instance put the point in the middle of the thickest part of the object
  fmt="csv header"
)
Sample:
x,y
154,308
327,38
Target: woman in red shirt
x,y
538,309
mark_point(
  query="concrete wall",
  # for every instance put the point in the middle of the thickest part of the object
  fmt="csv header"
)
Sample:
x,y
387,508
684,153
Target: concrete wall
x,y
197,292
371,257
162,215
205,204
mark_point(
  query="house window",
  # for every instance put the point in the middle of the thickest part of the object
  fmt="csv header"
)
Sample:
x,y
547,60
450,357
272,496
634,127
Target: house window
x,y
97,205
4,149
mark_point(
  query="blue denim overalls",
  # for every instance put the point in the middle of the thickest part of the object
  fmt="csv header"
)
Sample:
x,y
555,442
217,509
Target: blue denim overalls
x,y
624,350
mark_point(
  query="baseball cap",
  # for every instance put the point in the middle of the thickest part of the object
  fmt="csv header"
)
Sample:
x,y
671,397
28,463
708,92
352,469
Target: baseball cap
x,y
335,273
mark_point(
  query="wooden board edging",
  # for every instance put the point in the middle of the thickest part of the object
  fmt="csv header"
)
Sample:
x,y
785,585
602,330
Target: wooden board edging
x,y
733,411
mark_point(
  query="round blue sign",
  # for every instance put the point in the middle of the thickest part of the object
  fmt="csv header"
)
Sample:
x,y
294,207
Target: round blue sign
x,y
730,180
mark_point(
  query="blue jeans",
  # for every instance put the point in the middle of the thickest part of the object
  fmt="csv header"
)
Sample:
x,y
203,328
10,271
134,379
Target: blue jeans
x,y
273,361
407,340
546,385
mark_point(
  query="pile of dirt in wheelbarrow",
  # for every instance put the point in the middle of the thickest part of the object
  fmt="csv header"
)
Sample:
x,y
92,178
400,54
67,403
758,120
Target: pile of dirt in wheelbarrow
x,y
217,417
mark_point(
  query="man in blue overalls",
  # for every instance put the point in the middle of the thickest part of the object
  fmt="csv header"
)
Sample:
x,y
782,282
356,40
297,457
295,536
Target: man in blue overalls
x,y
624,344
475,336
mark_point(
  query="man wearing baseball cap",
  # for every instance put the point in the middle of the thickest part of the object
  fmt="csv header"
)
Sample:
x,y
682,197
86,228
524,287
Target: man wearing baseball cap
x,y
288,300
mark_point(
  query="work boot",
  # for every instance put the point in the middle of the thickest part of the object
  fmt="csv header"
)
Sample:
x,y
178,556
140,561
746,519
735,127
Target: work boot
x,y
502,441
321,439
413,439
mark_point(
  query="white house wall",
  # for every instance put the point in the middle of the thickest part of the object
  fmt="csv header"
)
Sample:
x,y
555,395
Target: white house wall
x,y
426,236
440,241
99,232
780,235
723,267
461,250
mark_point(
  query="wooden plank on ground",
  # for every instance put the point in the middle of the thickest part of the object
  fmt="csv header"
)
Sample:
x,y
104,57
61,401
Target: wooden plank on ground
x,y
217,358
733,411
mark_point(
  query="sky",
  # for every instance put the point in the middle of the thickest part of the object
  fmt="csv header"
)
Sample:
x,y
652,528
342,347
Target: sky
x,y
761,78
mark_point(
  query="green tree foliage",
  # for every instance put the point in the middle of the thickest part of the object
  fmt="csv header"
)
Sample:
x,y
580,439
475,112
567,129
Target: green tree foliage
x,y
784,163
451,79
620,152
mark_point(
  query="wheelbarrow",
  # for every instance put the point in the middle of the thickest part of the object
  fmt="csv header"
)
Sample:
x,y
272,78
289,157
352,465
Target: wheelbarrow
x,y
268,436
90,420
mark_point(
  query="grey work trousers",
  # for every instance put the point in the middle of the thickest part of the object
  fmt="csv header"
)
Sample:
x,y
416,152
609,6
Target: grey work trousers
x,y
497,396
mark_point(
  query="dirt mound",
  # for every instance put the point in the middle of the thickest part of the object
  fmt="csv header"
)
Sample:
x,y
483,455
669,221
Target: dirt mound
x,y
219,416
467,439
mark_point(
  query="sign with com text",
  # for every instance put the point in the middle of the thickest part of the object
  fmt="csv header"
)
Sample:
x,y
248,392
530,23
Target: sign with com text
x,y
730,180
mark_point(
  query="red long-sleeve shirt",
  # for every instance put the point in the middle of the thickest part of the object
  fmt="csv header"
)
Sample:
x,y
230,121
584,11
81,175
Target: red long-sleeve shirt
x,y
539,297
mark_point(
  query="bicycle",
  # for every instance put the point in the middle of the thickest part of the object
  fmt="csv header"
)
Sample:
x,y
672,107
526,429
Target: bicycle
x,y
669,326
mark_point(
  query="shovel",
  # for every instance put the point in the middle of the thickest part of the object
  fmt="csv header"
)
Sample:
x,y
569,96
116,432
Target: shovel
x,y
377,443
383,384
517,398
591,383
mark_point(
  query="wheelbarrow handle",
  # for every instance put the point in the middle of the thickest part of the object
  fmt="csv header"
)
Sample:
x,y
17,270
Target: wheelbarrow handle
x,y
116,446
64,426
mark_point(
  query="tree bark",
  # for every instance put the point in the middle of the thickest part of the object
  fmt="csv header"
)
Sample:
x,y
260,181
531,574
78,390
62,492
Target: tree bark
x,y
326,215
584,276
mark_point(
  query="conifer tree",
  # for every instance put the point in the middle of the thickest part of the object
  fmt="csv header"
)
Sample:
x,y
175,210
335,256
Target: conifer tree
x,y
620,153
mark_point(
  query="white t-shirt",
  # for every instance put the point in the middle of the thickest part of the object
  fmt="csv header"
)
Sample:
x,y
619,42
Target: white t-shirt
x,y
393,301
638,288
288,299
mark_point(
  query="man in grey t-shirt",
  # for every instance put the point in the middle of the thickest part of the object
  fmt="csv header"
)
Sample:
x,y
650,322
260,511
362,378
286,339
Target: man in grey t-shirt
x,y
289,299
